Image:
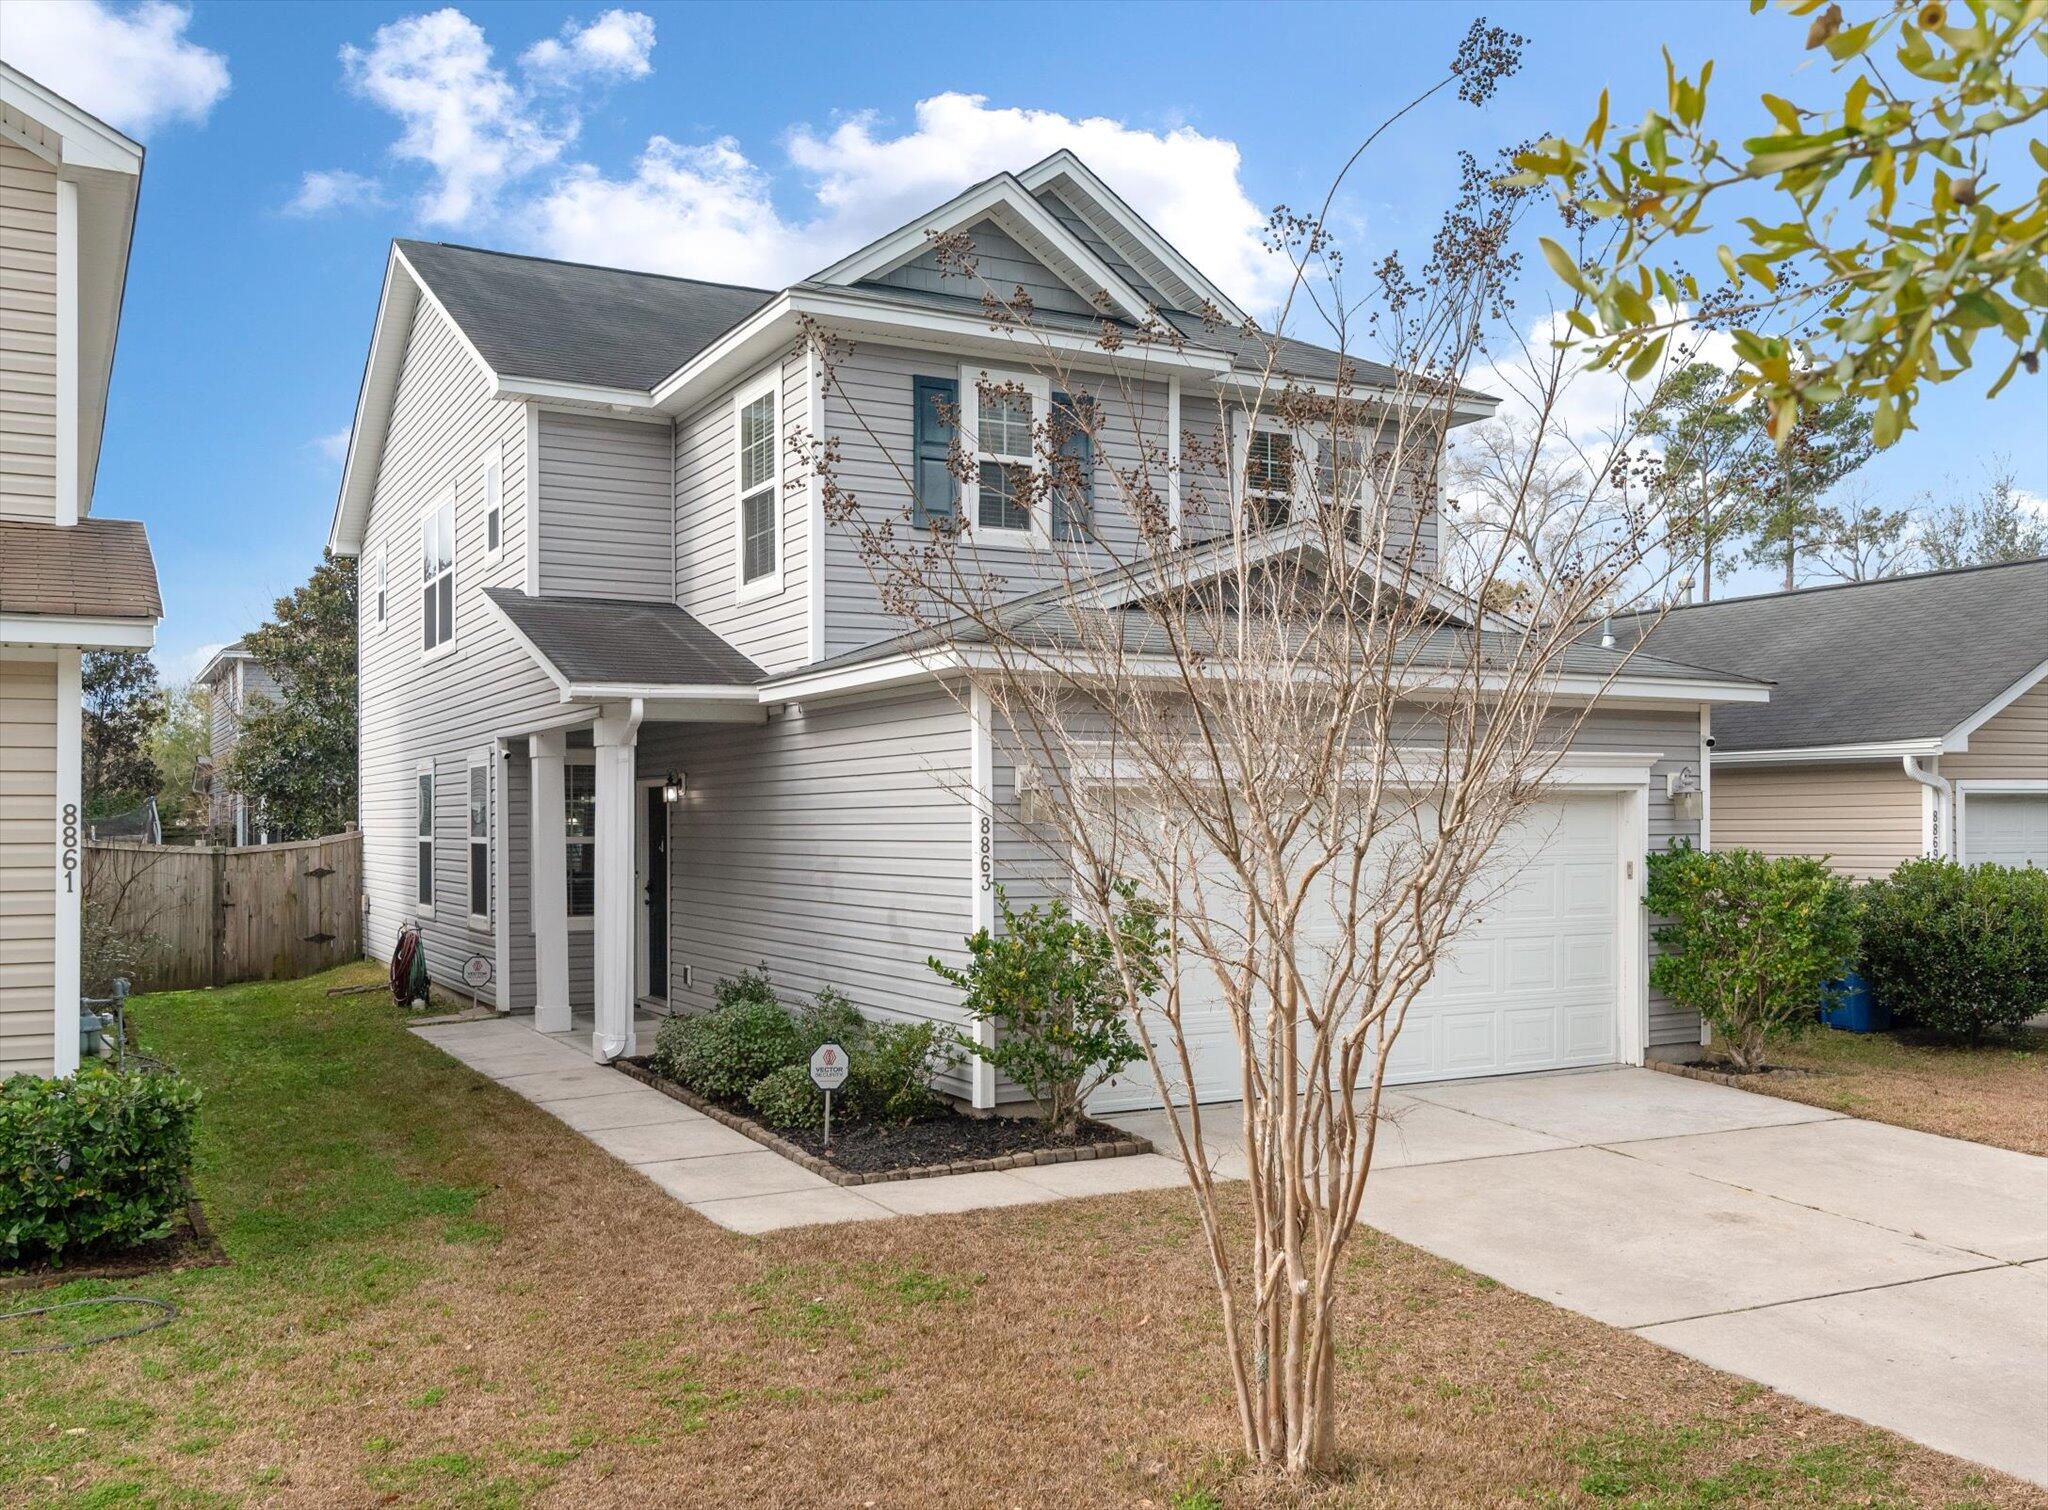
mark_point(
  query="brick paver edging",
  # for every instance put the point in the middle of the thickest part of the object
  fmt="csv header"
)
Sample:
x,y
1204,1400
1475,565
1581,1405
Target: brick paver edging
x,y
1120,1148
1721,1077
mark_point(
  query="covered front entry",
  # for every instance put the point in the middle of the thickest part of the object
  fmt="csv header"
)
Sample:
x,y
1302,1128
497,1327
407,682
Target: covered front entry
x,y
1542,981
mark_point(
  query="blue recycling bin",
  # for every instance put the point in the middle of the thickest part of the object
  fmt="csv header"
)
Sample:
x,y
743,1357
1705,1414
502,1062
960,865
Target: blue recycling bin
x,y
1857,1008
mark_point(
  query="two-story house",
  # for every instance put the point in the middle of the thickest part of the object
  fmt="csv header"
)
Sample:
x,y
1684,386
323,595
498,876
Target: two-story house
x,y
232,677
69,582
635,717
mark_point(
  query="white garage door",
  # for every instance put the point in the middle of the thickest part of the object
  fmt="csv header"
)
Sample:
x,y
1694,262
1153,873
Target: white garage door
x,y
1530,986
2005,830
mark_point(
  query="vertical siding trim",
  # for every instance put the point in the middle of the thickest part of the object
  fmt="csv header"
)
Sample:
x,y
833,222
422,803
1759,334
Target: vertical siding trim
x,y
1173,456
981,830
531,486
69,875
1706,776
69,505
501,874
814,511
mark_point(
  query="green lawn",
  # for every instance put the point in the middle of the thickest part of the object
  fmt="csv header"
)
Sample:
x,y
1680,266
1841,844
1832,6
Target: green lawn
x,y
438,1295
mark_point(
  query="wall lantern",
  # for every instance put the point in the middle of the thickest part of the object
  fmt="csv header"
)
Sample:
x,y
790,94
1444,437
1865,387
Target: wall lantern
x,y
1687,793
672,787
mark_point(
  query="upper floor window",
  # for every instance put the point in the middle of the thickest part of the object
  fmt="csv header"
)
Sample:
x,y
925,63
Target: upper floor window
x,y
1000,414
437,577
423,829
1269,457
494,504
757,489
1342,479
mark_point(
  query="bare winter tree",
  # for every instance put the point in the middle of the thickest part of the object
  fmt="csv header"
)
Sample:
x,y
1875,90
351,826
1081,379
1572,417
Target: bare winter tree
x,y
1232,676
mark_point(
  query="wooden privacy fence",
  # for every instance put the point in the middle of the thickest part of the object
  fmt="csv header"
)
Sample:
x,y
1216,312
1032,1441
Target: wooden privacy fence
x,y
218,915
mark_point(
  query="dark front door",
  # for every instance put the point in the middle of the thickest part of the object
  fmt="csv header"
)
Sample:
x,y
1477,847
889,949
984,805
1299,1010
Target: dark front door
x,y
657,895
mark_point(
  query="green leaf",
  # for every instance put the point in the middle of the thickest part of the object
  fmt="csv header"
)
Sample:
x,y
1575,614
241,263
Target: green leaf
x,y
1562,264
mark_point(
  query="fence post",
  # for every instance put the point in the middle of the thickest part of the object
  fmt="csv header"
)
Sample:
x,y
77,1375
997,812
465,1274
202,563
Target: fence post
x,y
219,914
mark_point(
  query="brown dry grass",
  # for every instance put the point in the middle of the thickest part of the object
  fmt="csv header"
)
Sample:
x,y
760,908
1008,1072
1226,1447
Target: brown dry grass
x,y
566,1334
1993,1093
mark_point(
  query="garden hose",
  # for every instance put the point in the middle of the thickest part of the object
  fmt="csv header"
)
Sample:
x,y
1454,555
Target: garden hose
x,y
170,1314
408,968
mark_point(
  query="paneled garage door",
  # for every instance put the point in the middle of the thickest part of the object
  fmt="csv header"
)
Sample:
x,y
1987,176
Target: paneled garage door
x,y
1531,986
2005,830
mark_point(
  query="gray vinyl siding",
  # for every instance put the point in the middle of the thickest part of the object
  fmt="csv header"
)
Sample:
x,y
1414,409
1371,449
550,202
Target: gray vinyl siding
x,y
605,507
1089,237
999,266
773,631
442,709
831,846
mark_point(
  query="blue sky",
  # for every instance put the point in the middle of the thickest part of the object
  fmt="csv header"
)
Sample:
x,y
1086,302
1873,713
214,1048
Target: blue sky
x,y
751,144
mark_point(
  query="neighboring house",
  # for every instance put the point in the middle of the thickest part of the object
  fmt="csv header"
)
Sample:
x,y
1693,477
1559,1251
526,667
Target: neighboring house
x,y
231,679
140,824
68,582
1909,717
633,717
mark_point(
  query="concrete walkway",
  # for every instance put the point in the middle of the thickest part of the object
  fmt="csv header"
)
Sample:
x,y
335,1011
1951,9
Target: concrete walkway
x,y
1889,1275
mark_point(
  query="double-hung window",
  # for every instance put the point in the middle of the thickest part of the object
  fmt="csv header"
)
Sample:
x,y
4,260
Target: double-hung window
x,y
1000,413
480,840
437,577
423,829
1269,460
579,798
494,504
757,500
1342,481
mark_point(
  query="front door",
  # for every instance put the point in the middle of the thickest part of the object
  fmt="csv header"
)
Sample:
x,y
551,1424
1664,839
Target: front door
x,y
654,929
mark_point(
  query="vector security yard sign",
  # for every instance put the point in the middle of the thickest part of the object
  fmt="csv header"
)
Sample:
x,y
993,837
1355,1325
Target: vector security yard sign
x,y
828,1067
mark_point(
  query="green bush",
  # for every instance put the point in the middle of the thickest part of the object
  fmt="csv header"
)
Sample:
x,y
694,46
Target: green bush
x,y
722,1053
1958,952
1051,987
787,1099
748,987
889,1066
1750,943
99,1159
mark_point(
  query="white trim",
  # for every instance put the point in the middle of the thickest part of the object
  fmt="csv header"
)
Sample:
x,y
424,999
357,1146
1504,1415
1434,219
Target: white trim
x,y
427,589
614,739
1989,786
981,868
548,881
1173,458
578,921
1632,942
494,499
814,508
71,506
479,760
1934,804
1827,754
70,869
769,583
530,488
87,141
501,873
63,630
1706,777
1958,738
31,145
430,839
972,377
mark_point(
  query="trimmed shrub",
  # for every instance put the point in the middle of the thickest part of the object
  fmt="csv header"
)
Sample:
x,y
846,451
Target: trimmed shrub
x,y
748,987
1958,952
889,1072
1750,943
723,1053
787,1099
1051,987
98,1160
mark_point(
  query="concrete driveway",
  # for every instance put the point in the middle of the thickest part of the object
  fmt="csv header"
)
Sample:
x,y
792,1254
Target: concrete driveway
x,y
1890,1275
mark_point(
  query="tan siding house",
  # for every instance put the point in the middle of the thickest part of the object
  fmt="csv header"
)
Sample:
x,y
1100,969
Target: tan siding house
x,y
69,583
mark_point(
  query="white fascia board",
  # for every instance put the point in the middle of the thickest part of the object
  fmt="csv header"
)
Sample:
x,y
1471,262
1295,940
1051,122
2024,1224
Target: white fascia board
x,y
397,301
519,637
1005,193
1064,164
1464,410
626,402
1412,768
88,141
87,634
1957,739
1891,750
663,691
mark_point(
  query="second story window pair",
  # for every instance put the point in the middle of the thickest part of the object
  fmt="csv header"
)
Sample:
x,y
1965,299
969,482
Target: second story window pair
x,y
757,491
437,577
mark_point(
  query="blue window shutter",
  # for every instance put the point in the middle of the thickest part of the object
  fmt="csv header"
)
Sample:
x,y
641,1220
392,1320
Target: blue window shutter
x,y
1072,508
937,400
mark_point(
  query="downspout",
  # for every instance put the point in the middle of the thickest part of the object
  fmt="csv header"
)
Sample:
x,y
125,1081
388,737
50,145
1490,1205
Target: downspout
x,y
1939,786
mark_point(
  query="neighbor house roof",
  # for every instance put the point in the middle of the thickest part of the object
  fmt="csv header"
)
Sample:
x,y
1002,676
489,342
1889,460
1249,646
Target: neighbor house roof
x,y
222,659
1910,658
95,569
570,322
617,642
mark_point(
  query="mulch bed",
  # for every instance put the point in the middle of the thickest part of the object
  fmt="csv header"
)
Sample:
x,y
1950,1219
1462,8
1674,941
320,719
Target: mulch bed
x,y
190,1244
864,1154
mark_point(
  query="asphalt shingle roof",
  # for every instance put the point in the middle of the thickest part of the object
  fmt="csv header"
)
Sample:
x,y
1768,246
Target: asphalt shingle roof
x,y
572,323
96,568
1864,663
616,641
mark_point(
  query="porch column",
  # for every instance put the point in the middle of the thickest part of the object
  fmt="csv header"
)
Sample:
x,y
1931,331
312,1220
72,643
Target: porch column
x,y
615,736
548,885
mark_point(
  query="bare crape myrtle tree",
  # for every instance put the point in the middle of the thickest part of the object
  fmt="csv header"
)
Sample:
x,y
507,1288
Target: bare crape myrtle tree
x,y
1233,678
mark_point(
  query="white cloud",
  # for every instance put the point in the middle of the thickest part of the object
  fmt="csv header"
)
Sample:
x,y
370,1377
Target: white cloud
x,y
334,189
134,68
615,45
2033,503
463,117
333,446
179,668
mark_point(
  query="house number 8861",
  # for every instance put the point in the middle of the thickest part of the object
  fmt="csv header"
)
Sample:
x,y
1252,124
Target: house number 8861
x,y
69,859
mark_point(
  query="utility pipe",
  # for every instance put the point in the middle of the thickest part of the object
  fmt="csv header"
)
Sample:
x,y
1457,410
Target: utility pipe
x,y
1943,838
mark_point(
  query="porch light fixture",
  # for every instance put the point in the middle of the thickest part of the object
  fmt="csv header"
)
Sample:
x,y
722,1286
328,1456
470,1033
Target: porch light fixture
x,y
672,787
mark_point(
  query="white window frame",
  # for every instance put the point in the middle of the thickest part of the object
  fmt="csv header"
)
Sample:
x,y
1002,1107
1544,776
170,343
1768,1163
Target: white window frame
x,y
480,762
1305,454
1367,499
494,502
1038,533
379,608
423,821
769,582
586,759
444,502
